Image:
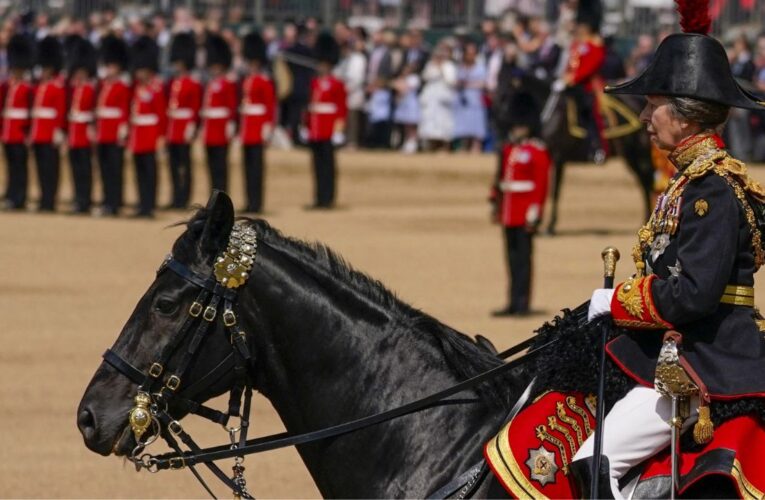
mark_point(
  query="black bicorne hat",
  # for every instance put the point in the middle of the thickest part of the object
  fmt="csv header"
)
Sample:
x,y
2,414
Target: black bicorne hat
x,y
21,52
691,64
218,51
524,111
590,12
144,54
80,54
327,50
50,53
183,49
114,50
254,48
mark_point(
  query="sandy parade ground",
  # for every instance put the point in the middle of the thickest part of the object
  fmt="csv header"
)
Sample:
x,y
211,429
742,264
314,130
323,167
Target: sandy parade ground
x,y
419,223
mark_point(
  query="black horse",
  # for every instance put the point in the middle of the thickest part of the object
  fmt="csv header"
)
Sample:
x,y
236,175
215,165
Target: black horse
x,y
329,345
566,138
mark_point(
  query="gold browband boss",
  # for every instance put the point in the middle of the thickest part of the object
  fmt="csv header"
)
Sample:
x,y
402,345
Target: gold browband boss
x,y
233,266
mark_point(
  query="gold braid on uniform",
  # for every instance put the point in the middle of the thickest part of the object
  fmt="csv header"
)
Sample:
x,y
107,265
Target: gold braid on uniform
x,y
694,161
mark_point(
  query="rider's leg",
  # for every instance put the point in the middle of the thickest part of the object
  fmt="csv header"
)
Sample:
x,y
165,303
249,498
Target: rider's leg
x,y
635,429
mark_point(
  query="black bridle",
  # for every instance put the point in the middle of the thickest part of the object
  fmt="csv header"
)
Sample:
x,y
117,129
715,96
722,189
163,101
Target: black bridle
x,y
162,392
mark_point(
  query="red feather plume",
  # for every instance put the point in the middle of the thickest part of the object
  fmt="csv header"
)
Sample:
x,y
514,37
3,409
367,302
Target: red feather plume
x,y
694,16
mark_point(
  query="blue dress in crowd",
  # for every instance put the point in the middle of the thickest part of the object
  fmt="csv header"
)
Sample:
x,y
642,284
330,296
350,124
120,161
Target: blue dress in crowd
x,y
469,110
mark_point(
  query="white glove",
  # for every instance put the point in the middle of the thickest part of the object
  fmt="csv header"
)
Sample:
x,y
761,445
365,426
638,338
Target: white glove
x,y
303,133
600,303
190,132
58,137
230,130
338,137
266,132
558,85
532,215
122,133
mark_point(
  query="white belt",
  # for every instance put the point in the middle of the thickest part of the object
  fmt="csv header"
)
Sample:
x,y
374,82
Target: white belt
x,y
322,108
516,186
16,113
109,113
254,109
181,113
145,120
215,112
80,116
47,113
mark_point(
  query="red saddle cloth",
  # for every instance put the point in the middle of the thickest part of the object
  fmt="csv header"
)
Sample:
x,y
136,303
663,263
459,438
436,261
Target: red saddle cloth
x,y
531,454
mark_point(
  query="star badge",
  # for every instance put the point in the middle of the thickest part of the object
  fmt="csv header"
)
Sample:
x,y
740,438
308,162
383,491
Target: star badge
x,y
658,245
676,269
701,207
541,463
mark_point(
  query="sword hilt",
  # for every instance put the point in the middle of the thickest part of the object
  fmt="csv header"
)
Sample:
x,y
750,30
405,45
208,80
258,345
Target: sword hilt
x,y
610,257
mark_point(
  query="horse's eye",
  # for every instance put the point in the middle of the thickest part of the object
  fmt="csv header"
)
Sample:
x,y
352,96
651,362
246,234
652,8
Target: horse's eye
x,y
165,306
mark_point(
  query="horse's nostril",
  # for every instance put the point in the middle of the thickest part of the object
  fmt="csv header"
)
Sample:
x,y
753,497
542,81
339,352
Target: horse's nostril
x,y
86,422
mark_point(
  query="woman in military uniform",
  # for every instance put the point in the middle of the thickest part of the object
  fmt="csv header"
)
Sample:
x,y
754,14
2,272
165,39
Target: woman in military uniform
x,y
695,258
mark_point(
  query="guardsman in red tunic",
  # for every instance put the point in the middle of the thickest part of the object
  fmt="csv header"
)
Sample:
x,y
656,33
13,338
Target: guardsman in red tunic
x,y
582,76
519,196
18,100
257,118
81,132
184,102
48,119
147,121
326,116
218,110
112,113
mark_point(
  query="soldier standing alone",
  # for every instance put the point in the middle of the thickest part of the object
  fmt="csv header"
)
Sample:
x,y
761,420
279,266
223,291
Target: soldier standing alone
x,y
183,115
48,120
519,195
257,118
327,112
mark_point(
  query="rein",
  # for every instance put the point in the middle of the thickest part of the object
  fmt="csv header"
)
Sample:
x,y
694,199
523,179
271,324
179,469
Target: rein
x,y
156,393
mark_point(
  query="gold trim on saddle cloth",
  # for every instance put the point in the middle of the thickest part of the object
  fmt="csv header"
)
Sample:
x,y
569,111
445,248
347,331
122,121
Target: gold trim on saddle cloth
x,y
504,465
738,296
747,489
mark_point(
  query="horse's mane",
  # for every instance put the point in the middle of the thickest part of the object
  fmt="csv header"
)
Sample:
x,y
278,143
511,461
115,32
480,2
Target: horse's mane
x,y
463,354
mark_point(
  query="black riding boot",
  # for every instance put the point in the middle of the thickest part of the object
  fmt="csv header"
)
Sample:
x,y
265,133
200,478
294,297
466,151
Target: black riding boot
x,y
581,471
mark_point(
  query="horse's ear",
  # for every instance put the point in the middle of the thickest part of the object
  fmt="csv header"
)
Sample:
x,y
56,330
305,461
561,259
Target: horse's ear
x,y
220,220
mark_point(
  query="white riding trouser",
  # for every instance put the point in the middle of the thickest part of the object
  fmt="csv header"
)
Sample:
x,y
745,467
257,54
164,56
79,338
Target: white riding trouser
x,y
636,428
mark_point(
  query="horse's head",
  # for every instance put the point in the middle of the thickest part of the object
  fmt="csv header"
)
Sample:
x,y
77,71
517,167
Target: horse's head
x,y
173,332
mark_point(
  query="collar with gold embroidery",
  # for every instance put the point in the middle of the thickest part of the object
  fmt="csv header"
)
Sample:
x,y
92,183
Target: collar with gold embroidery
x,y
696,149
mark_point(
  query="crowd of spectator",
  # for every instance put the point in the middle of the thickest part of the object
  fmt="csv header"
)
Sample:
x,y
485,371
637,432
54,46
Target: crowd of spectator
x,y
405,91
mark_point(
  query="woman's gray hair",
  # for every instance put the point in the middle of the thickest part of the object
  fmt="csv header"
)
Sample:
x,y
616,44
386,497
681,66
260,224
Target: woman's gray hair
x,y
709,115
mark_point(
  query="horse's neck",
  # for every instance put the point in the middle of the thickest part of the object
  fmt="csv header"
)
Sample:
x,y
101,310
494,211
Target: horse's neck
x,y
334,359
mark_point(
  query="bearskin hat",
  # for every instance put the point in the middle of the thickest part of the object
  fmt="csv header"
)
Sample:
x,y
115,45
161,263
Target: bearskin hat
x,y
327,50
254,48
524,111
218,51
50,53
21,52
144,54
590,13
80,54
183,49
114,50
